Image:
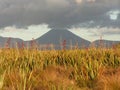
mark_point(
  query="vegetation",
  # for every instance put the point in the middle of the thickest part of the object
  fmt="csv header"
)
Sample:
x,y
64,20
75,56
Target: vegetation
x,y
77,69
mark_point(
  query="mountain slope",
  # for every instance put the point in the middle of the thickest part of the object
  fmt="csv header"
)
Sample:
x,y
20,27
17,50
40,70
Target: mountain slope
x,y
58,37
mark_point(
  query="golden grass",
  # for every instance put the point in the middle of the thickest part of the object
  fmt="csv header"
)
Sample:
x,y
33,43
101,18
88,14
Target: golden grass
x,y
85,69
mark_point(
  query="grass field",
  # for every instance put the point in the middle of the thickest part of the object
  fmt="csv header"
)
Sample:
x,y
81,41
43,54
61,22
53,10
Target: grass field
x,y
78,69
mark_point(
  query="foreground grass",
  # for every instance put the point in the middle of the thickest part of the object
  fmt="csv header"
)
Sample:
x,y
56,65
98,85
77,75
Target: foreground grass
x,y
88,69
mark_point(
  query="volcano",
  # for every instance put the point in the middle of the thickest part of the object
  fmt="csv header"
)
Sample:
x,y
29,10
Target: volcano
x,y
59,37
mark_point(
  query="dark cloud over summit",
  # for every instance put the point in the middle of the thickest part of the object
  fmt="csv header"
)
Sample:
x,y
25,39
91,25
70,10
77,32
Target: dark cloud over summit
x,y
55,13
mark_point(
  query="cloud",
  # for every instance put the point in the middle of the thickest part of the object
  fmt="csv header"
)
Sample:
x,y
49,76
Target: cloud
x,y
78,1
92,34
55,13
104,31
113,14
29,33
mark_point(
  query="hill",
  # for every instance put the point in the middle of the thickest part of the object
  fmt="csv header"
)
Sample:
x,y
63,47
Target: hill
x,y
8,41
59,37
104,43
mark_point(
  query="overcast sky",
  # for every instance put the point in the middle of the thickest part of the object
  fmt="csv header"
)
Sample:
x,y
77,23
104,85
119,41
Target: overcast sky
x,y
87,18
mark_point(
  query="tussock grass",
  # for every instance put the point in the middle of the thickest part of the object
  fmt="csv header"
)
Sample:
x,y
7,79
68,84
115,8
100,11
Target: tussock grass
x,y
78,69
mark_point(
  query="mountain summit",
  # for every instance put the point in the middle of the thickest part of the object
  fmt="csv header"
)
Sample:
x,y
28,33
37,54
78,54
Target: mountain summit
x,y
58,37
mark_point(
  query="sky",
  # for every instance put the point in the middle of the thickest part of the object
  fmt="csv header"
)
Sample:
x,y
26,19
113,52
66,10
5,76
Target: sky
x,y
89,19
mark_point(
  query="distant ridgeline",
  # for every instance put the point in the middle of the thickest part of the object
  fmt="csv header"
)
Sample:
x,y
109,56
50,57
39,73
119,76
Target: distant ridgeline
x,y
56,39
104,43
